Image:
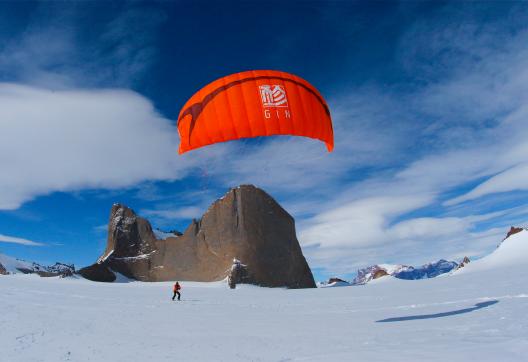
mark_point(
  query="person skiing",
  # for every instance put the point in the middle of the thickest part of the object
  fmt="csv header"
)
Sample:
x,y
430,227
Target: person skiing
x,y
176,290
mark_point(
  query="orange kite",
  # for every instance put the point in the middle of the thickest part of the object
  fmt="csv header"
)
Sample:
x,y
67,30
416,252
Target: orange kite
x,y
251,104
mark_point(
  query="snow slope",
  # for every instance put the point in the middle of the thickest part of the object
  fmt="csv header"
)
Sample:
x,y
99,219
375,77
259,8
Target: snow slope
x,y
511,252
478,312
477,315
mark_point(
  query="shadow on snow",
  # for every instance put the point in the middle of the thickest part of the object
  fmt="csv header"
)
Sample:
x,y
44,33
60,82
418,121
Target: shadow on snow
x,y
440,315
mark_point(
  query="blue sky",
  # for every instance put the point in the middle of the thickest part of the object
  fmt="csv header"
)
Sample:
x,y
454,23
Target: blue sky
x,y
429,102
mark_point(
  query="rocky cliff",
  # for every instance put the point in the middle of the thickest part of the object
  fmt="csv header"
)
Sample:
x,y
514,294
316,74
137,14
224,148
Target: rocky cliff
x,y
246,225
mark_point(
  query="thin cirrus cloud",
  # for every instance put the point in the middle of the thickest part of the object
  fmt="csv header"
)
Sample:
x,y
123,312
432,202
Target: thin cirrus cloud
x,y
515,178
48,52
21,241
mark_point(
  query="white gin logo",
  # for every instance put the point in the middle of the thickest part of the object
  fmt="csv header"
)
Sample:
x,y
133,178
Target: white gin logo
x,y
273,96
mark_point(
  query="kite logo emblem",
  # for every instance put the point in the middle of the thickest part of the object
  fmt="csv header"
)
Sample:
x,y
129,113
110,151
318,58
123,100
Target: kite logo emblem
x,y
273,95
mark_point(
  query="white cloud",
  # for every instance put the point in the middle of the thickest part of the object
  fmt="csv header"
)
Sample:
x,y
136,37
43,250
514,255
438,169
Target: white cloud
x,y
72,140
15,240
429,227
515,178
358,223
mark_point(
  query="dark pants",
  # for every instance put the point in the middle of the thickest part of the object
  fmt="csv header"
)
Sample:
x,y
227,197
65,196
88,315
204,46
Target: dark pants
x,y
174,296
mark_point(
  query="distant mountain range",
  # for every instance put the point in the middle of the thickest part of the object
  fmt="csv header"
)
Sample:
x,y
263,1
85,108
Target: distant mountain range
x,y
429,270
407,272
513,247
9,265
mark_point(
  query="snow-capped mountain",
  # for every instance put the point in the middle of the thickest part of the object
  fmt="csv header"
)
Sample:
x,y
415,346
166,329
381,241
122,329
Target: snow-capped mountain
x,y
429,270
407,272
9,265
373,272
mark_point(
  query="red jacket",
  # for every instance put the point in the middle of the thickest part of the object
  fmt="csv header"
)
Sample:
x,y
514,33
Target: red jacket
x,y
176,287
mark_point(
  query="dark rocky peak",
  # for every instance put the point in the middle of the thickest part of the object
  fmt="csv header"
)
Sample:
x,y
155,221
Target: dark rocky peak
x,y
128,234
245,224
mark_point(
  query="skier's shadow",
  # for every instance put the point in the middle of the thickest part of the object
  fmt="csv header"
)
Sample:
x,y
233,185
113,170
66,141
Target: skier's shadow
x,y
440,315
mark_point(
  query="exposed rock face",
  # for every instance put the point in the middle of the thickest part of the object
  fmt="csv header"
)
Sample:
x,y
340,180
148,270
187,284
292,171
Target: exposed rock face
x,y
464,262
98,272
513,230
3,270
246,224
380,273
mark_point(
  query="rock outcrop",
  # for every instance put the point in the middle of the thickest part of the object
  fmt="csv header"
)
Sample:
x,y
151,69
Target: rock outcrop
x,y
246,224
335,280
239,274
464,262
513,230
3,270
380,273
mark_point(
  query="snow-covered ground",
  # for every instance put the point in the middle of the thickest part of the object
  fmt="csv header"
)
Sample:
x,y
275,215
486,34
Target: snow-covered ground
x,y
478,314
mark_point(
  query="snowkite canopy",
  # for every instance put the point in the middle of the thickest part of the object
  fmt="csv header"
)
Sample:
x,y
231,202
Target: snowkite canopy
x,y
251,104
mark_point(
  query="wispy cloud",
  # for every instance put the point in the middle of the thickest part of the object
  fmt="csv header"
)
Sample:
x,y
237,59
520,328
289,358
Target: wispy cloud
x,y
515,178
21,241
50,54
